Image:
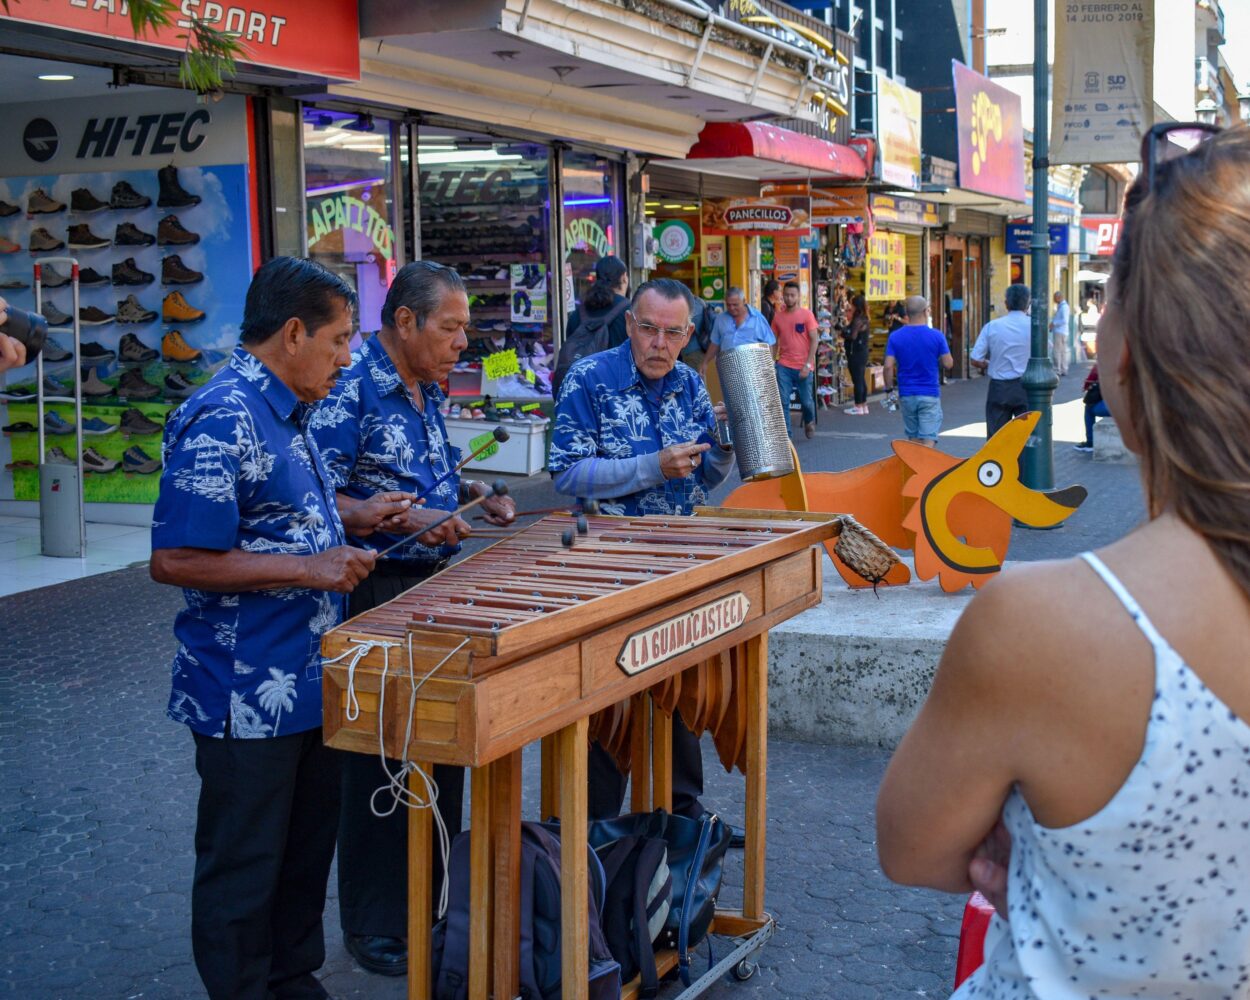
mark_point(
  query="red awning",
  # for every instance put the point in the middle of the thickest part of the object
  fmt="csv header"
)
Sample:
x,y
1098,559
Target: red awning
x,y
780,151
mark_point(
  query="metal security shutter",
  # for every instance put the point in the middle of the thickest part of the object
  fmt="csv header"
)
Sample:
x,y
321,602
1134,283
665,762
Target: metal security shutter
x,y
686,184
915,264
969,222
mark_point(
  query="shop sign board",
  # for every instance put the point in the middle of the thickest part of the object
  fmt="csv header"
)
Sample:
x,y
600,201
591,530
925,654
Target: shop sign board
x,y
991,135
888,208
318,38
1104,80
786,257
757,216
1020,238
714,251
675,241
885,267
712,284
1105,232
830,206
898,132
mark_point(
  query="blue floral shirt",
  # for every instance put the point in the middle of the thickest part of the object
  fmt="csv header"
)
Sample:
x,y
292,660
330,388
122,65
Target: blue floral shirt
x,y
242,472
375,439
607,410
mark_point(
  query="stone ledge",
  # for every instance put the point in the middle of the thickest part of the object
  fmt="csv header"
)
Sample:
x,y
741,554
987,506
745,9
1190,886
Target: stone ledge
x,y
1109,445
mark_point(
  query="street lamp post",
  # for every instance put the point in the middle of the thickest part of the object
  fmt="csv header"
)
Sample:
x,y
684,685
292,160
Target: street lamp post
x,y
1037,469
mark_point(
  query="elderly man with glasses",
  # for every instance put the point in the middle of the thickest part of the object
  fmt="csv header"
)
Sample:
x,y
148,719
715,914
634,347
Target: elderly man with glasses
x,y
635,430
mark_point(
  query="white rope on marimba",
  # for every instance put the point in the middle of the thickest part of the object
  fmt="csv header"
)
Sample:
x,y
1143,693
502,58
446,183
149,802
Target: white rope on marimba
x,y
358,652
397,783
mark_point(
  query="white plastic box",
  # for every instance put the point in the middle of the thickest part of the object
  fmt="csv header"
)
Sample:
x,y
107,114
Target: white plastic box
x,y
524,452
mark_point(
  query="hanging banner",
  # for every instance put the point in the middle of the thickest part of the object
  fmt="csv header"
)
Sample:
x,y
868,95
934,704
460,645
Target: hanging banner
x,y
885,267
991,136
898,132
757,216
1104,80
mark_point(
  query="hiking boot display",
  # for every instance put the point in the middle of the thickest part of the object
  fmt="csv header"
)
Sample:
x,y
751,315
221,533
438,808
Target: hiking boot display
x,y
8,246
94,354
56,454
55,387
124,196
130,235
93,461
174,348
137,461
171,233
82,238
90,276
175,309
133,385
175,272
131,310
54,423
93,316
133,351
54,352
135,424
52,278
55,317
42,241
84,202
95,387
97,427
40,204
172,194
178,386
129,273
7,209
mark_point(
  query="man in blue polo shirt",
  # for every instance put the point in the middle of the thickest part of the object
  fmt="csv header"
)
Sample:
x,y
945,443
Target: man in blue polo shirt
x,y
380,430
247,524
913,353
739,324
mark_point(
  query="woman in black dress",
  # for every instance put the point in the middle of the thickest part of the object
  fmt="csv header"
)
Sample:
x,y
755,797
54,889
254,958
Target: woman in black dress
x,y
855,341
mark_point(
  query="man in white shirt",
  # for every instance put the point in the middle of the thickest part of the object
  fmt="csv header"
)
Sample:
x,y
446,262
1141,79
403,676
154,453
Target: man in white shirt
x,y
1059,333
1002,352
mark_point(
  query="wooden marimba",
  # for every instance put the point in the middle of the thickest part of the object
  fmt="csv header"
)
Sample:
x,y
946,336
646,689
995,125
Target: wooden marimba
x,y
532,639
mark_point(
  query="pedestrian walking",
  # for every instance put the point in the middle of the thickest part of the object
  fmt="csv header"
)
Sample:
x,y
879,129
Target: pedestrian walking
x,y
798,337
914,355
855,343
1059,324
1002,352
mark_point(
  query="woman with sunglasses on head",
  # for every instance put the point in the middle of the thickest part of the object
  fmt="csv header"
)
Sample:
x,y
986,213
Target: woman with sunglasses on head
x,y
1094,780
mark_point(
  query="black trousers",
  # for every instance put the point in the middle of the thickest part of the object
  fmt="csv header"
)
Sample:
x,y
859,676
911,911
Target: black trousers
x,y
373,850
857,361
607,783
1004,400
264,839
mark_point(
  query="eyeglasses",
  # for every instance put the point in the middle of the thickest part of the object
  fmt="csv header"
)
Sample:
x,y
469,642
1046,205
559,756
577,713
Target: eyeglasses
x,y
672,334
1170,141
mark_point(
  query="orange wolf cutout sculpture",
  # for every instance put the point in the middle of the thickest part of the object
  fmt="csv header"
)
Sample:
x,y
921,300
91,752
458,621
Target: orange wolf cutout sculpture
x,y
955,514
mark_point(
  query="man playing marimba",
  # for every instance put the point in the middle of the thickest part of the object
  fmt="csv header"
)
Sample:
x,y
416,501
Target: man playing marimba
x,y
380,430
246,524
635,429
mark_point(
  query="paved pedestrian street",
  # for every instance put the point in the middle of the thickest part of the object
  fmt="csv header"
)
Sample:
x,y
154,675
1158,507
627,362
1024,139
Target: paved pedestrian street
x,y
98,790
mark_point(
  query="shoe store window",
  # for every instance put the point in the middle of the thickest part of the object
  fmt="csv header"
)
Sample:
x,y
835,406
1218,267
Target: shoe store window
x,y
592,219
350,199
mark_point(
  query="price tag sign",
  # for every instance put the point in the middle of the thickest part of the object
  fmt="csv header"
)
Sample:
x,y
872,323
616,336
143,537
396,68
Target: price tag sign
x,y
531,407
501,364
530,377
504,406
480,440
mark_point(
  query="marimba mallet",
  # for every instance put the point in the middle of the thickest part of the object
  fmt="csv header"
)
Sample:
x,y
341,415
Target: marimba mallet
x,y
498,436
498,489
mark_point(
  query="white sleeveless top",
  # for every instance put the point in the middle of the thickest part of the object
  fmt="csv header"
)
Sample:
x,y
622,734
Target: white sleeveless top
x,y
1149,897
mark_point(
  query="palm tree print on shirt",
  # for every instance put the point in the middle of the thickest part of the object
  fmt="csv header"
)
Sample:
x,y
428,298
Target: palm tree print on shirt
x,y
276,694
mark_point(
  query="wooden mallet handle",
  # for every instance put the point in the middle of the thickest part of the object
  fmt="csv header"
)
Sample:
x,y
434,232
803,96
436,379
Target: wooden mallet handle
x,y
498,489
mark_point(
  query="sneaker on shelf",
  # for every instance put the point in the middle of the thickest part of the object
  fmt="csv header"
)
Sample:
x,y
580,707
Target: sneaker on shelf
x,y
42,241
13,283
1082,446
52,278
130,235
178,386
126,197
82,238
8,246
94,354
171,233
55,317
133,351
135,424
137,461
7,209
129,273
175,309
54,352
93,461
56,454
172,194
175,348
55,387
83,202
133,385
94,316
54,423
175,272
95,387
90,276
131,310
39,203
20,427
97,427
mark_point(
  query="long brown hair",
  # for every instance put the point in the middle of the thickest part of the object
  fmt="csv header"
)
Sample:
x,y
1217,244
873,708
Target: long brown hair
x,y
1181,280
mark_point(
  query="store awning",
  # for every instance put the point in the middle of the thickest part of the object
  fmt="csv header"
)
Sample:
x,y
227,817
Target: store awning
x,y
770,152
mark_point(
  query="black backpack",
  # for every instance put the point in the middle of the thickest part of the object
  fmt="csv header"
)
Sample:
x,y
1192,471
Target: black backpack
x,y
540,923
590,337
637,900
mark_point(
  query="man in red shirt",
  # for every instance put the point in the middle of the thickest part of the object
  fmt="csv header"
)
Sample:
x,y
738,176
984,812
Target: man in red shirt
x,y
797,339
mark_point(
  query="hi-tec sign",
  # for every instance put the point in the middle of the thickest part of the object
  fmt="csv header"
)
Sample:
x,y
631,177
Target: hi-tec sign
x,y
660,643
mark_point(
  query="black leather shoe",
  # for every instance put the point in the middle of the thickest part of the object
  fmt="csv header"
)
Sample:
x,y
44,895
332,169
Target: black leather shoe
x,y
737,837
387,956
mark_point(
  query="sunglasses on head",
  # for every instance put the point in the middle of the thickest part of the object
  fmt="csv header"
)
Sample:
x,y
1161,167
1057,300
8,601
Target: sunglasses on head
x,y
1170,141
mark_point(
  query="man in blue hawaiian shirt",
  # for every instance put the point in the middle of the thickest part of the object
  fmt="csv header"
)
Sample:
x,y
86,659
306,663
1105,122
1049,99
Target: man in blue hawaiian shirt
x,y
246,523
635,430
379,431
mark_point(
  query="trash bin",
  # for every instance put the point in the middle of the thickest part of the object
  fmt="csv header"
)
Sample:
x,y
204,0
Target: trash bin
x,y
60,511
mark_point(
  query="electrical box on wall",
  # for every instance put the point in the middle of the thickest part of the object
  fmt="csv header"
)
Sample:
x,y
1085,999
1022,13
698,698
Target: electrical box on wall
x,y
642,248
